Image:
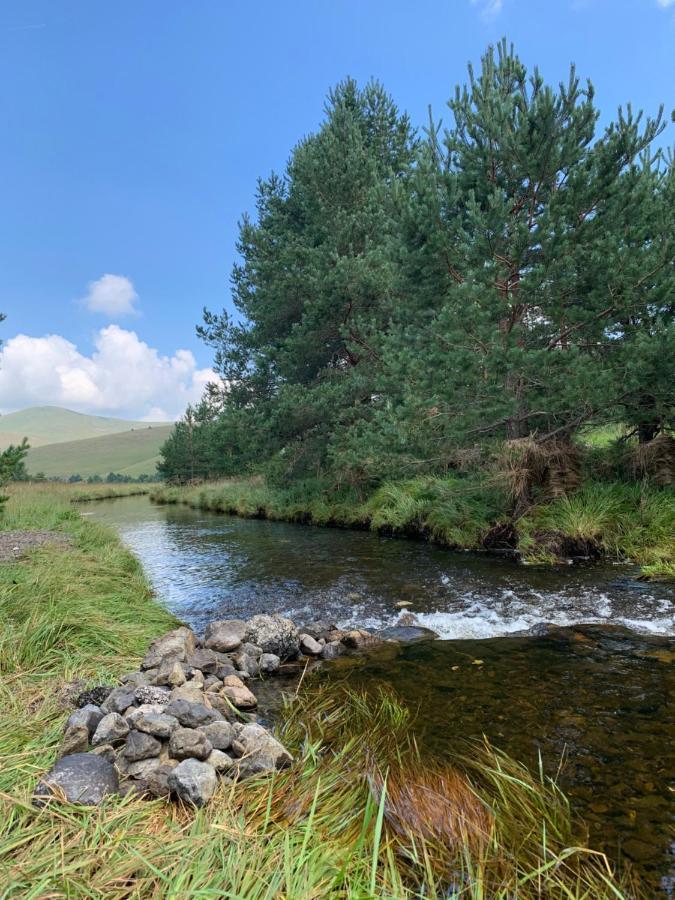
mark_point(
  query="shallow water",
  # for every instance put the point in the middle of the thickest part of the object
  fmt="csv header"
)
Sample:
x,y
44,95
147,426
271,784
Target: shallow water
x,y
601,694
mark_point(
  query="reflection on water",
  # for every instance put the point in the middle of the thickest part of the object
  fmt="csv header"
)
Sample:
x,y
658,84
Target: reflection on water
x,y
601,694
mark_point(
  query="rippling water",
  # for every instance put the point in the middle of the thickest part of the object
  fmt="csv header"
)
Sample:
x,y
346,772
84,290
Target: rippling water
x,y
600,693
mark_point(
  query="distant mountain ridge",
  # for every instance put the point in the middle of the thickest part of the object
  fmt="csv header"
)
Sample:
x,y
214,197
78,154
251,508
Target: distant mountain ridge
x,y
44,425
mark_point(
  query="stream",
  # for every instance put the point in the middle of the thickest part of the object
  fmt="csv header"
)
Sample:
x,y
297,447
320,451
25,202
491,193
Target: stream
x,y
597,692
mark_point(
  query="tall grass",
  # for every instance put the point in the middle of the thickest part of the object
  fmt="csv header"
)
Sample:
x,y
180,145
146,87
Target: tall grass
x,y
360,814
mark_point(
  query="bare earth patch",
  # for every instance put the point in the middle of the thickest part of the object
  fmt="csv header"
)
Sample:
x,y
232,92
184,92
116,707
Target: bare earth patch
x,y
13,544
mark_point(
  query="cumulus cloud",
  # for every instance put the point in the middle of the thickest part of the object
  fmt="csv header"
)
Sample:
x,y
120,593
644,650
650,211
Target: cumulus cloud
x,y
113,295
489,9
123,376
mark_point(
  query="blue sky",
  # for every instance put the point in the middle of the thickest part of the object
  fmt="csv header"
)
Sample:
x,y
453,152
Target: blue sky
x,y
134,132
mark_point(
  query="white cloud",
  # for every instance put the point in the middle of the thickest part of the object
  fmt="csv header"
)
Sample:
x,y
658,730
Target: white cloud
x,y
113,295
489,9
123,376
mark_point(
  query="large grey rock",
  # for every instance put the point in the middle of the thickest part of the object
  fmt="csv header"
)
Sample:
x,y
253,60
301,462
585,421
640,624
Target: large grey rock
x,y
88,717
140,745
189,742
269,663
193,781
309,646
274,634
85,778
112,729
224,670
159,725
207,661
119,699
258,751
178,644
220,734
224,634
192,715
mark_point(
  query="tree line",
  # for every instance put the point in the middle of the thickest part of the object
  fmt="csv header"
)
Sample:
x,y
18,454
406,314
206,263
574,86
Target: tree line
x,y
406,299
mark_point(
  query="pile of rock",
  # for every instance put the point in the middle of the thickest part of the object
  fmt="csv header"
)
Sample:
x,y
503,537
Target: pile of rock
x,y
184,720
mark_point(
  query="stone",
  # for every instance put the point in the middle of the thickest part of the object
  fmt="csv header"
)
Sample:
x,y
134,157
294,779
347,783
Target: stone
x,y
107,751
135,679
157,781
189,742
193,781
359,639
94,696
219,734
269,663
147,693
88,717
141,768
196,679
335,635
190,692
224,670
192,715
319,629
240,697
309,646
119,699
85,778
171,673
220,761
407,633
140,745
75,740
223,705
225,634
179,644
258,751
332,649
207,661
211,683
112,729
252,650
274,634
159,725
246,663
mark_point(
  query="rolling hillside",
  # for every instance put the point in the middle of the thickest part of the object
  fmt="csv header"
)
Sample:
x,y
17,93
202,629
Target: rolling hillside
x,y
131,453
53,425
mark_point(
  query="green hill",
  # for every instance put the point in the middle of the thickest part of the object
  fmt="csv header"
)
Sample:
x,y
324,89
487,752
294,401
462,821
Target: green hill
x,y
129,453
54,425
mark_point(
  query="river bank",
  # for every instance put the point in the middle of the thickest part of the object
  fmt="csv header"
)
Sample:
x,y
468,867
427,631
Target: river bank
x,y
81,613
614,520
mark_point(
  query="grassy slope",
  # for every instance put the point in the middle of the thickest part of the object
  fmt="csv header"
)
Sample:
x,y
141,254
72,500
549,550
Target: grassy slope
x,y
317,830
130,453
52,424
620,520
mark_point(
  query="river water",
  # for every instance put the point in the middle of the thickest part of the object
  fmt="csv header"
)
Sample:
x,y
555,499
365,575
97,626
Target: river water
x,y
598,691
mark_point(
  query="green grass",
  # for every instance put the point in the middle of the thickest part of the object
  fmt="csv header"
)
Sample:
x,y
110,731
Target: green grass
x,y
359,814
128,453
52,424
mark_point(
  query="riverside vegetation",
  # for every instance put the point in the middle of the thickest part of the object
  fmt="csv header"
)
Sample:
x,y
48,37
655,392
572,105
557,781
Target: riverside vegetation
x,y
466,333
350,817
